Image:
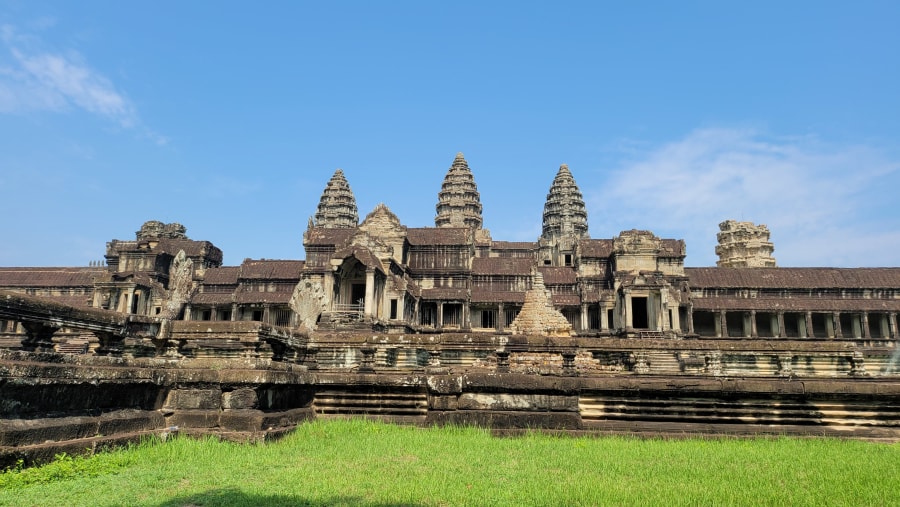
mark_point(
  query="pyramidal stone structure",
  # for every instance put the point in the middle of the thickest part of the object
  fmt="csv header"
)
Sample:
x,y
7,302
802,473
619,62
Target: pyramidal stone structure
x,y
459,204
744,245
538,316
337,207
564,211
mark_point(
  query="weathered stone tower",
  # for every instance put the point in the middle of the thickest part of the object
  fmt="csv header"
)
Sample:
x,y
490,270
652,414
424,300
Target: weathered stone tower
x,y
337,207
565,221
744,245
459,204
564,211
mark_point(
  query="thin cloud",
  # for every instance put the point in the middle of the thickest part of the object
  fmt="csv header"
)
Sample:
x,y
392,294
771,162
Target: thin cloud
x,y
812,196
34,79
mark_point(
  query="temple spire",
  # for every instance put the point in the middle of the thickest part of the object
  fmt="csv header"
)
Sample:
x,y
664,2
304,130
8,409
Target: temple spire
x,y
337,207
459,204
564,211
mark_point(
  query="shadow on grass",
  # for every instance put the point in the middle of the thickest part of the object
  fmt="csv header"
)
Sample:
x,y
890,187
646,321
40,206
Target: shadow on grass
x,y
234,497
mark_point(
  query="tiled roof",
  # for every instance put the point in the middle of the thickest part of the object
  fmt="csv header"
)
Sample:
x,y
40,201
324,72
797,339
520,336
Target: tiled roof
x,y
513,245
212,298
227,275
796,304
322,236
558,275
362,254
445,293
566,299
49,277
491,296
270,270
438,236
262,297
794,278
596,247
501,266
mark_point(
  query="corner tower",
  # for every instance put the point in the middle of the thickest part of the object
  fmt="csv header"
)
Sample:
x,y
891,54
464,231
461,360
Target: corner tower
x,y
337,207
564,212
459,204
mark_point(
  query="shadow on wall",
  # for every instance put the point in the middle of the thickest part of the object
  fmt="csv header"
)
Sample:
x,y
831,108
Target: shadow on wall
x,y
236,497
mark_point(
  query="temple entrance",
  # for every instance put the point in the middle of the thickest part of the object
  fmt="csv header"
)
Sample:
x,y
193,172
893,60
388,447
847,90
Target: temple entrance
x,y
358,293
639,316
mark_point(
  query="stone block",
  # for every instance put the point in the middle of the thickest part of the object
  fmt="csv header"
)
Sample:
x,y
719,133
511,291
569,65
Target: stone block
x,y
518,401
443,402
190,399
240,399
507,420
19,432
194,419
129,421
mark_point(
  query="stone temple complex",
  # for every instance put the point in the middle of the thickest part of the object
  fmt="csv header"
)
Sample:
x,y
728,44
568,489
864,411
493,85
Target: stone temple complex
x,y
446,324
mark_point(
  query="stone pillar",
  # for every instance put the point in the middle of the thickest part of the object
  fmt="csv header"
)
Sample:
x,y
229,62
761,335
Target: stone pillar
x,y
604,318
690,318
465,324
676,318
440,316
214,312
754,333
723,325
328,289
892,325
837,325
629,321
501,318
585,325
781,331
829,325
865,326
370,291
802,330
265,316
234,311
187,311
810,333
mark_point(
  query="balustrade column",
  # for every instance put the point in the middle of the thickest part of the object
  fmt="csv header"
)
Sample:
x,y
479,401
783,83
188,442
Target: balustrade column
x,y
754,333
838,333
501,318
690,317
781,330
629,321
723,325
892,325
809,325
370,291
584,317
865,326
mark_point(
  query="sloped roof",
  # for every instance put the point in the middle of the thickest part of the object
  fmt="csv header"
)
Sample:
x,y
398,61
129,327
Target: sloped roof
x,y
557,275
227,275
513,245
445,293
801,304
438,236
594,248
495,296
794,278
50,277
501,266
270,270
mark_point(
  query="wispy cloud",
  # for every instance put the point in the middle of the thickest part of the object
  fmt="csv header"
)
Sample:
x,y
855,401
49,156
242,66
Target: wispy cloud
x,y
814,197
33,78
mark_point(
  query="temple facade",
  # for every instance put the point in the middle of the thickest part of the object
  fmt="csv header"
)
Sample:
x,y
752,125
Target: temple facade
x,y
379,274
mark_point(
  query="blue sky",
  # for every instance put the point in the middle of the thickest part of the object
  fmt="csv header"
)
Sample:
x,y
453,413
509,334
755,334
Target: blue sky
x,y
230,117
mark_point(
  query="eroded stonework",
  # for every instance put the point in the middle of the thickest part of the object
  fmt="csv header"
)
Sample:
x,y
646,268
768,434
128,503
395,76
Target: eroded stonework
x,y
744,245
337,207
459,204
538,316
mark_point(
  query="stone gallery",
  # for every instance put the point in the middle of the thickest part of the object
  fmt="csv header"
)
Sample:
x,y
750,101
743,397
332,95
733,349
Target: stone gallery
x,y
444,324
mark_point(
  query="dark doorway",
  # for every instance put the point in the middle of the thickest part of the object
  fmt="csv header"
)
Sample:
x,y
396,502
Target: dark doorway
x,y
639,318
357,293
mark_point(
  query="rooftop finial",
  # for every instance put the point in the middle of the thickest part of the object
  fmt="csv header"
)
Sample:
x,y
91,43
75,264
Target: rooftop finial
x,y
459,204
564,211
337,207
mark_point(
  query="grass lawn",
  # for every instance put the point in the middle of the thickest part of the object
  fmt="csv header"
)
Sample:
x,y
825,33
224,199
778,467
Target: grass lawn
x,y
361,463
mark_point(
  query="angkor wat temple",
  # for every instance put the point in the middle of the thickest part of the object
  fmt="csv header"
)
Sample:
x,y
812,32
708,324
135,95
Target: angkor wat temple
x,y
376,301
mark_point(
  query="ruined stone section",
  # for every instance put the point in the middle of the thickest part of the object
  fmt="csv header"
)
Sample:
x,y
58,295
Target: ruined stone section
x,y
337,207
459,203
538,316
744,245
154,229
564,212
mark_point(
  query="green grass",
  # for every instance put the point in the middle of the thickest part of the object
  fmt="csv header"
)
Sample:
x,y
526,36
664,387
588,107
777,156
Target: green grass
x,y
358,463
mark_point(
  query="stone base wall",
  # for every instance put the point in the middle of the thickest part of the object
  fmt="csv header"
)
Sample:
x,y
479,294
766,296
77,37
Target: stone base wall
x,y
52,403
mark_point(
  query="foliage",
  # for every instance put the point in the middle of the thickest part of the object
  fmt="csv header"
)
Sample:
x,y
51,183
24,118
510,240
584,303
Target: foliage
x,y
358,462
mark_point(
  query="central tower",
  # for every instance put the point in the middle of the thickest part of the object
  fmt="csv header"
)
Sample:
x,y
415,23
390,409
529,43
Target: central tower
x,y
459,204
